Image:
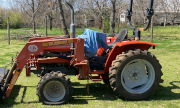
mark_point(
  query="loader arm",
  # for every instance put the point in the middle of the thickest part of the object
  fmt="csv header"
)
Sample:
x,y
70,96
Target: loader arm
x,y
36,48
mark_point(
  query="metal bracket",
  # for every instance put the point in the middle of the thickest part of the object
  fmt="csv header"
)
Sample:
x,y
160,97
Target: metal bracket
x,y
149,14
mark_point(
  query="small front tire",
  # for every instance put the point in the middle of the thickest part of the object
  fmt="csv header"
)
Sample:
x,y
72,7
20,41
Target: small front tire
x,y
54,88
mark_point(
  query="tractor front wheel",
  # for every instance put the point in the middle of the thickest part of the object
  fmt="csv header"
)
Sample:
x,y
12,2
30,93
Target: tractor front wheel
x,y
135,74
54,88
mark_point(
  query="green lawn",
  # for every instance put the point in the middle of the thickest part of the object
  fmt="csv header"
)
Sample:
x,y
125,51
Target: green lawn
x,y
26,32
168,94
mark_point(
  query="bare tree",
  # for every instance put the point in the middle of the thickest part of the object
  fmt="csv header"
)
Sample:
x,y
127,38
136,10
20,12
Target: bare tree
x,y
49,13
31,7
170,10
139,11
165,9
99,9
49,7
174,8
62,18
112,18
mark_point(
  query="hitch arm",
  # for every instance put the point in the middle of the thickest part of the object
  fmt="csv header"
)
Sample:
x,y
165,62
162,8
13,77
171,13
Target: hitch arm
x,y
129,15
149,14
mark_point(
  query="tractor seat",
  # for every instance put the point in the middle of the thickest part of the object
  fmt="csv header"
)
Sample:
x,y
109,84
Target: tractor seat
x,y
120,37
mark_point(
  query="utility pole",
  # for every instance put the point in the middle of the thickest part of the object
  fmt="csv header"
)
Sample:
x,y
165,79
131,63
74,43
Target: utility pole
x,y
152,29
46,22
8,28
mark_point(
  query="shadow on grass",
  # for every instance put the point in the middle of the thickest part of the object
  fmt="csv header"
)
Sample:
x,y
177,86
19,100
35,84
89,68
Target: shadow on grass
x,y
167,38
10,101
98,91
168,93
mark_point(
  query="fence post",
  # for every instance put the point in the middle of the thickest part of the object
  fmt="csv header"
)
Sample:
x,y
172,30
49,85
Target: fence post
x,y
152,29
8,28
46,22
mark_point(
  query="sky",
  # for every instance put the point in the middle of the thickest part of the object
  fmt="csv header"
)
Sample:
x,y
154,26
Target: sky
x,y
5,3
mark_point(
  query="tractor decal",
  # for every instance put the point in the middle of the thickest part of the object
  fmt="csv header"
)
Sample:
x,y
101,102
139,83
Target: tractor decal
x,y
33,48
57,43
14,79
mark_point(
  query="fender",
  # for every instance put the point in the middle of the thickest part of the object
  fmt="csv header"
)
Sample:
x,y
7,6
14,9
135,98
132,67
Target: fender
x,y
124,46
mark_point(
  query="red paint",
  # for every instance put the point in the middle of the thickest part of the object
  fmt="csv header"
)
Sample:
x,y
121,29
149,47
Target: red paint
x,y
124,46
58,49
30,55
37,46
52,60
110,39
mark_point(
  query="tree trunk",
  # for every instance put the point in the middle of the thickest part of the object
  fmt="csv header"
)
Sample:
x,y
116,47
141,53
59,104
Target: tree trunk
x,y
85,20
34,24
46,25
152,21
63,23
118,21
112,18
50,21
33,17
165,19
101,23
8,28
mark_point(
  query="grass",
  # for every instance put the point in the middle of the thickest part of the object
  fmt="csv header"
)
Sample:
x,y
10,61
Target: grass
x,y
26,32
168,94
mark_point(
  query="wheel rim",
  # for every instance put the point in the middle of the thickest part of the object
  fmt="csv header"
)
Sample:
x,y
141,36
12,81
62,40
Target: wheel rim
x,y
138,76
54,91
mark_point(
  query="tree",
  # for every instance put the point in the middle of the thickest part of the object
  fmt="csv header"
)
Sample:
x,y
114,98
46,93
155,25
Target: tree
x,y
174,8
49,13
31,7
139,11
99,9
63,23
112,18
171,9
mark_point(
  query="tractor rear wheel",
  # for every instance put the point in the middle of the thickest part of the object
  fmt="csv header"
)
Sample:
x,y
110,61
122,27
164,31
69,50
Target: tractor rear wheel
x,y
54,88
135,74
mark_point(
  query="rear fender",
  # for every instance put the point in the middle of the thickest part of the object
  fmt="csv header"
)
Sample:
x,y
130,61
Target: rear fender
x,y
124,46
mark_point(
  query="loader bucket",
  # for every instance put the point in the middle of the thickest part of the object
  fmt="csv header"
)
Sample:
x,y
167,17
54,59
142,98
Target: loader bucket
x,y
3,73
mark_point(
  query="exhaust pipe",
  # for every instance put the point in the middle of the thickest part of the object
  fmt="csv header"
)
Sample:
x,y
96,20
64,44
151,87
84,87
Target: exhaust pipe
x,y
72,26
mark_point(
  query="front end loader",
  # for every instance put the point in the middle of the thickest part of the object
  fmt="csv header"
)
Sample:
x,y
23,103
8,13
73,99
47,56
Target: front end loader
x,y
126,65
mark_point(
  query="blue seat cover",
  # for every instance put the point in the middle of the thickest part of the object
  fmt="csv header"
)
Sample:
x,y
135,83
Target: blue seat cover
x,y
93,40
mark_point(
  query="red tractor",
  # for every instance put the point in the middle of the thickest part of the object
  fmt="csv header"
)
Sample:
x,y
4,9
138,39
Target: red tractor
x,y
124,64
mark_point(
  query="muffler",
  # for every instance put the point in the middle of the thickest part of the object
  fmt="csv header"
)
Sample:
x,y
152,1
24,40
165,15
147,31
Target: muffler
x,y
72,26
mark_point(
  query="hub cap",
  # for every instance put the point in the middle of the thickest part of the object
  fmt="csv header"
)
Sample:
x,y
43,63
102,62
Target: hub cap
x,y
138,76
54,91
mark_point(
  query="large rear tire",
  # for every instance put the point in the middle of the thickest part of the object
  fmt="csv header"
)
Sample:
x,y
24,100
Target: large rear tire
x,y
54,88
135,74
